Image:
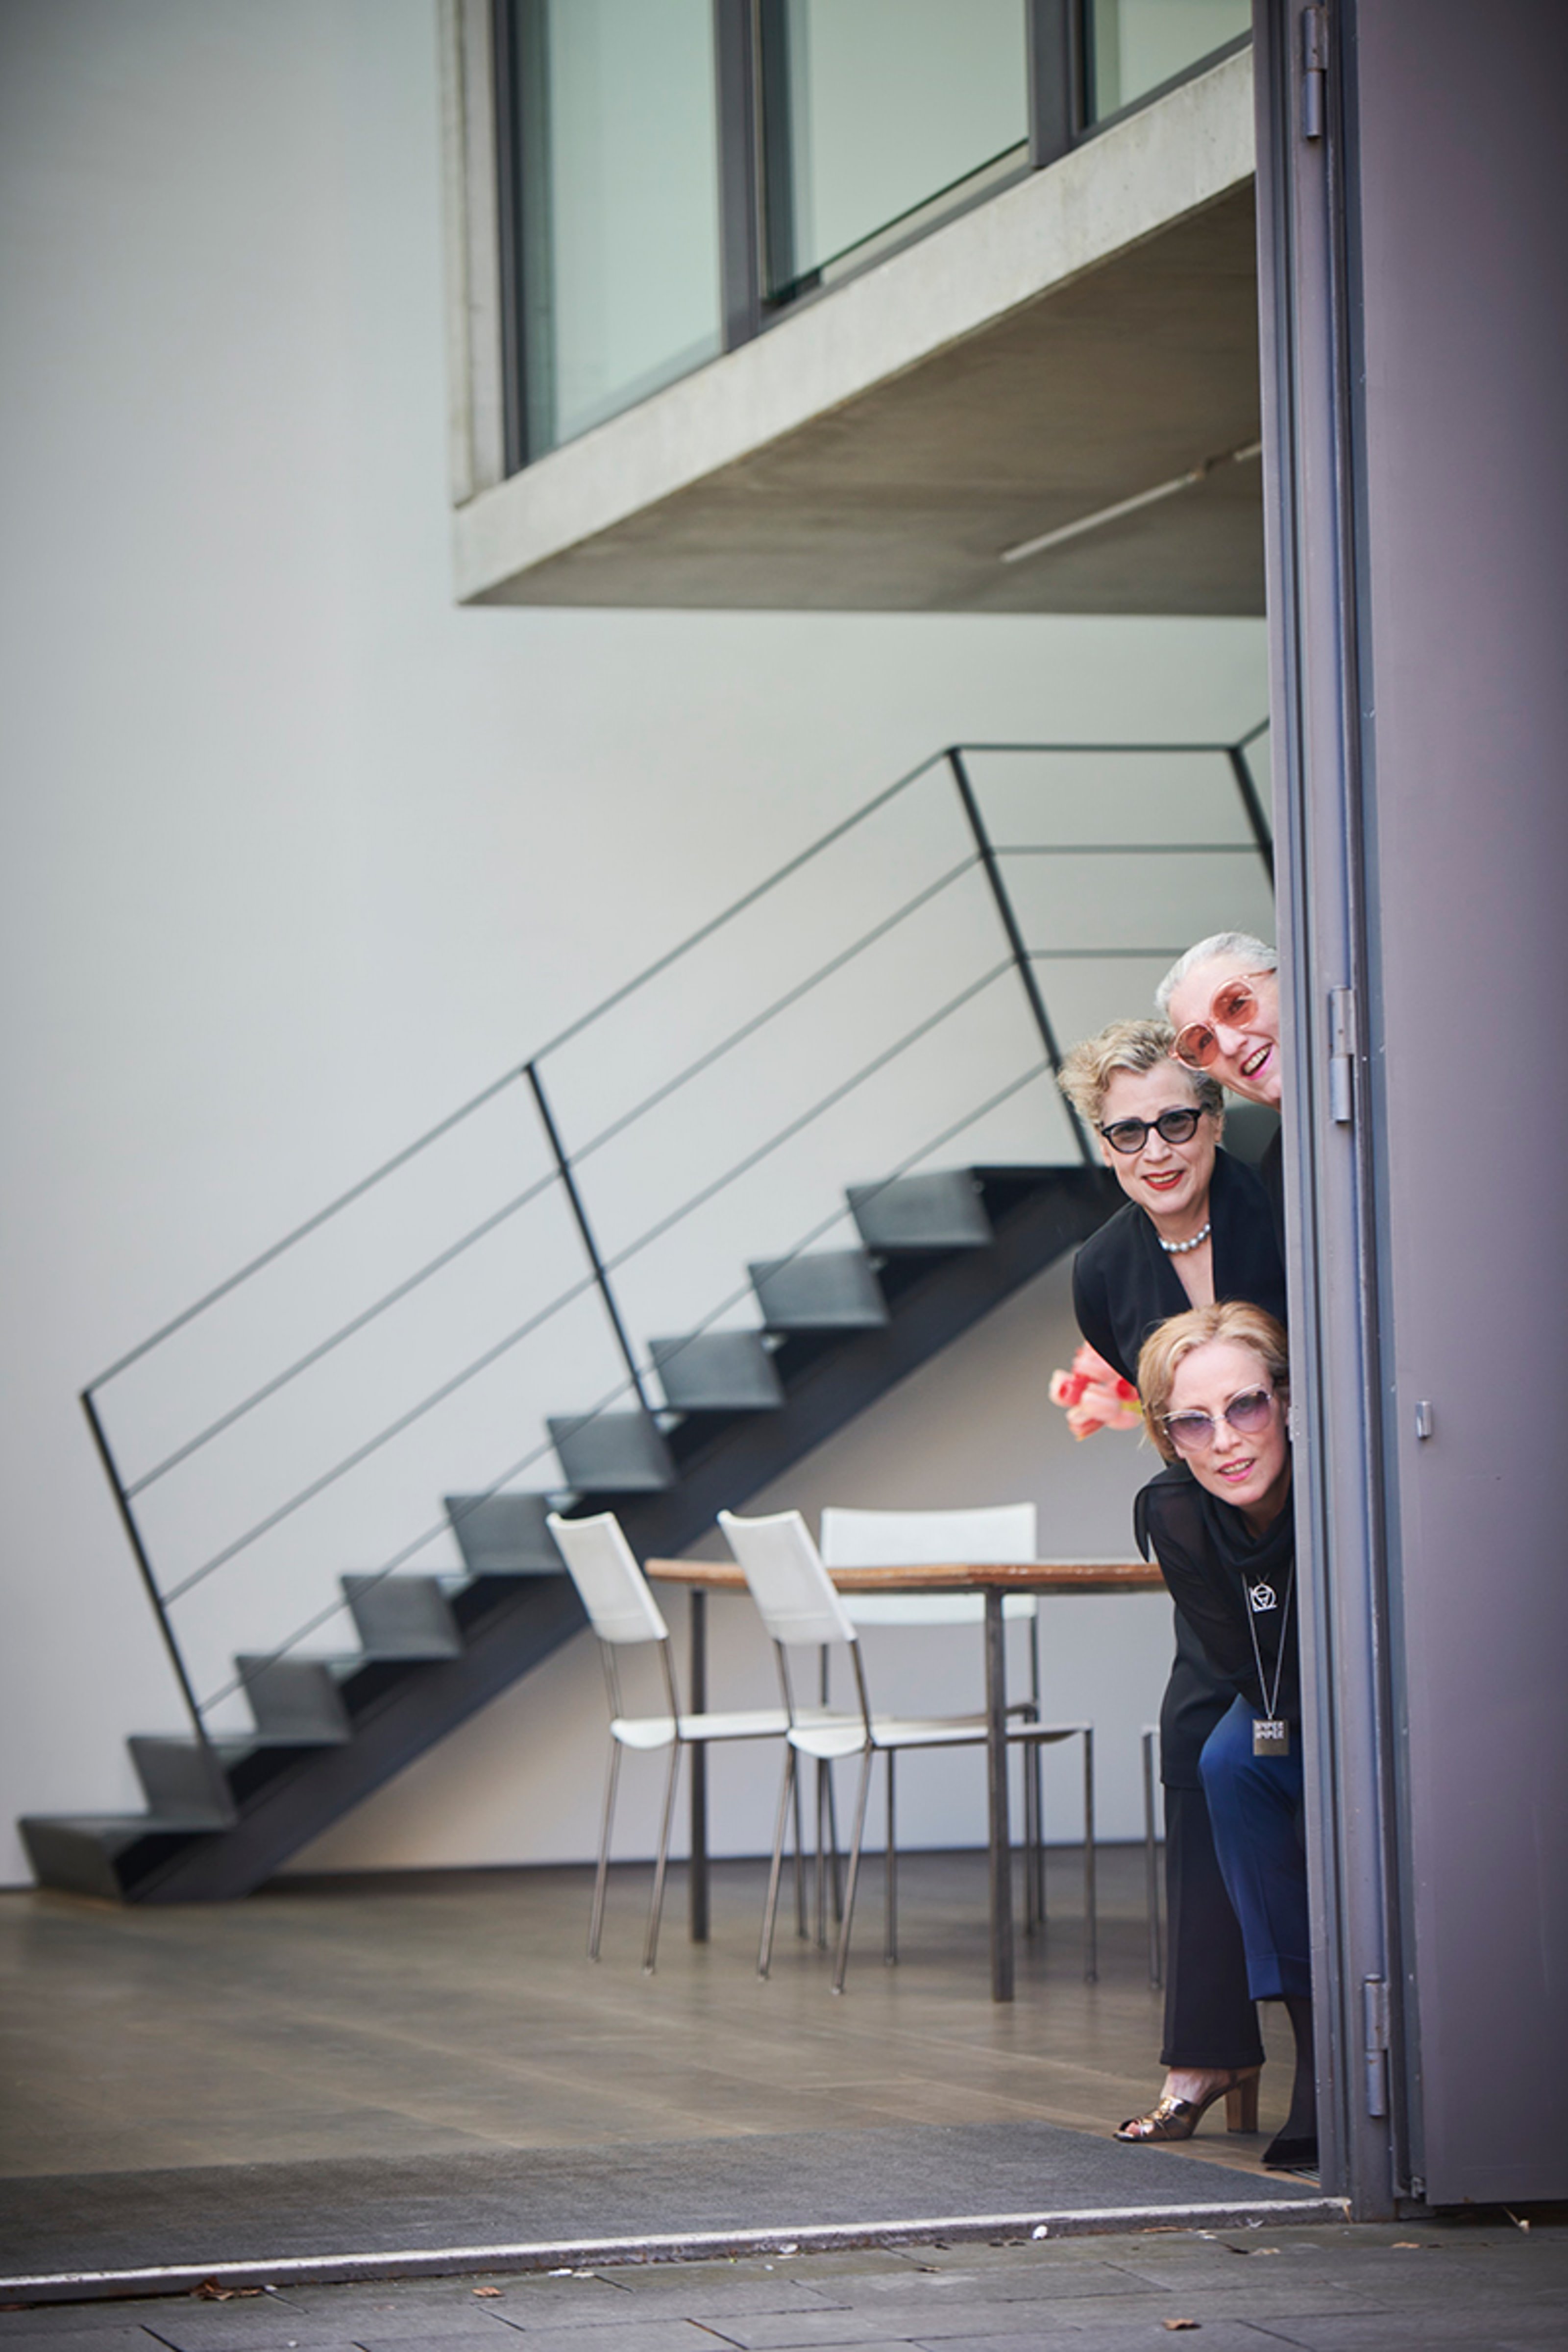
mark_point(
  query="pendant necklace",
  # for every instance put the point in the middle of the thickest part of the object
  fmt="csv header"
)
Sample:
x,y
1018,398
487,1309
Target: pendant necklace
x,y
1270,1733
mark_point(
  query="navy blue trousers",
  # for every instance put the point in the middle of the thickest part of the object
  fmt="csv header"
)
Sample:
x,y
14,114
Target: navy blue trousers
x,y
1255,1807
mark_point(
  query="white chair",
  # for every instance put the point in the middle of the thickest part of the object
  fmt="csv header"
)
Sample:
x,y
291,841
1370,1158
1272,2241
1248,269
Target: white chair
x,y
800,1607
623,1613
987,1535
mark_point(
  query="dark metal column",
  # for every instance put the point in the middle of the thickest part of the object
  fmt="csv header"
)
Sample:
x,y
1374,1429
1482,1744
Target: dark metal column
x,y
1001,1858
1333,1325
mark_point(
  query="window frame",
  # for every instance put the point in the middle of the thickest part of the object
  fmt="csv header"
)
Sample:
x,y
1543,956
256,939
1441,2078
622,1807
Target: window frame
x,y
751,161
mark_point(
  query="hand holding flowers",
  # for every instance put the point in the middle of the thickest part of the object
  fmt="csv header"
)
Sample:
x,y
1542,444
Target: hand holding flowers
x,y
1094,1396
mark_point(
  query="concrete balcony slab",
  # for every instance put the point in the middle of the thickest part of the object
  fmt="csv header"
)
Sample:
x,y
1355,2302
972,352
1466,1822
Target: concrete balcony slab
x,y
1079,339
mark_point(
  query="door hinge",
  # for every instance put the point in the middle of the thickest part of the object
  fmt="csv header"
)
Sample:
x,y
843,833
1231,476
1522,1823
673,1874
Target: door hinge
x,y
1375,2036
1314,72
1342,1056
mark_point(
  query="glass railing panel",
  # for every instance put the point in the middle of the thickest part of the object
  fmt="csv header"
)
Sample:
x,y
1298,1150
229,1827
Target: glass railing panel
x,y
618,168
872,109
1136,45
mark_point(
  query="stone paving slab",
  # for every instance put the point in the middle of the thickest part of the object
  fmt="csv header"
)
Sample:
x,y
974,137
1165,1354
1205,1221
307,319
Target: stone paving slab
x,y
1434,2286
1225,2337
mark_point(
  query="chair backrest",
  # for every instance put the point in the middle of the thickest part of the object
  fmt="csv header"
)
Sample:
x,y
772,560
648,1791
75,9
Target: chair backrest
x,y
851,1538
1001,1532
612,1587
793,1591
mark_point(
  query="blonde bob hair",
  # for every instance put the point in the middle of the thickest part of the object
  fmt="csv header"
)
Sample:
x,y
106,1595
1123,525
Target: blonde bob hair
x,y
1182,1335
1133,1046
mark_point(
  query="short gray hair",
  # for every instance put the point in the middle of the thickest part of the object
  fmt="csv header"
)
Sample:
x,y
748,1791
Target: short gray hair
x,y
1133,1046
1254,954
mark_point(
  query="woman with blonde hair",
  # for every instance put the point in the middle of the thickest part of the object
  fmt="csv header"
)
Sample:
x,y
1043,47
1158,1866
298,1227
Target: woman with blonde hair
x,y
1214,1383
1195,1226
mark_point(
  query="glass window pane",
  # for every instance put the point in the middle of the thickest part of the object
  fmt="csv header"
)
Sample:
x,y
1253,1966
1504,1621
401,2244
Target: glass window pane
x,y
1139,44
874,108
620,188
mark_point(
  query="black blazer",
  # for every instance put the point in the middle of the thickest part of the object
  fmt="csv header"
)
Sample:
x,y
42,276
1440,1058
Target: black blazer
x,y
1271,1169
1123,1283
1229,1585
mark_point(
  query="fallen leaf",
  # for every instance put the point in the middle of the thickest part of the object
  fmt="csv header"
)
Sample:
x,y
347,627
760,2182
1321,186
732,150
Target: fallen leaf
x,y
485,2290
1405,2246
1174,2323
210,2292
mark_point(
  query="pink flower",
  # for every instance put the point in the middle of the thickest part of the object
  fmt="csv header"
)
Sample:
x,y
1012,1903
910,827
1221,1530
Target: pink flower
x,y
1094,1396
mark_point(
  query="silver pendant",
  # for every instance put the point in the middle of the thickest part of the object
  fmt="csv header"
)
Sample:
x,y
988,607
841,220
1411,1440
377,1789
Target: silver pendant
x,y
1270,1736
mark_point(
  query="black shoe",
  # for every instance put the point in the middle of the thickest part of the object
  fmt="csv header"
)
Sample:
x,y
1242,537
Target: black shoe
x,y
1292,2152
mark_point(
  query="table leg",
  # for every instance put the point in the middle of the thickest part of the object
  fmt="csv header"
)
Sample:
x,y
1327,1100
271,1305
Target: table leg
x,y
697,1699
1001,1831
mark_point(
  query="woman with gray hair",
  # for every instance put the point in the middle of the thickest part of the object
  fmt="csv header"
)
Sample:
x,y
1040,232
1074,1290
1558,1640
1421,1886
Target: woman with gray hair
x,y
1221,999
1195,1227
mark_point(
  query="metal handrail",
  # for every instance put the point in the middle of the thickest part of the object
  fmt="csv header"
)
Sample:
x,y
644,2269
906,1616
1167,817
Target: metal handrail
x,y
985,857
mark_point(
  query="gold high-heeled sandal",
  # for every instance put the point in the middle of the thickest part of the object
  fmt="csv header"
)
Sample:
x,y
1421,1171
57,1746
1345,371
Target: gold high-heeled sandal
x,y
1174,2118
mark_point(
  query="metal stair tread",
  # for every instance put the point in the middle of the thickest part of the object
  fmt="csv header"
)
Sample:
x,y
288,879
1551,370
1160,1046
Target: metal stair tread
x,y
127,1827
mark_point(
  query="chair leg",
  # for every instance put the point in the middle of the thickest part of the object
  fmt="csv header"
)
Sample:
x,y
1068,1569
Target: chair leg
x,y
656,1906
824,1799
1152,1866
891,1907
802,1922
788,1789
835,1872
842,1962
1090,1914
596,1919
825,1772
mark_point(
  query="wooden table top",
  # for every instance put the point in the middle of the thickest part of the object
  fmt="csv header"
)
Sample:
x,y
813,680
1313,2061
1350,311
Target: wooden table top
x,y
956,1576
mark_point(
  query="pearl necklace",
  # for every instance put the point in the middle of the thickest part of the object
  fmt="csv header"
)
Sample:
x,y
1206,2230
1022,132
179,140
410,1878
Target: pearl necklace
x,y
1180,1249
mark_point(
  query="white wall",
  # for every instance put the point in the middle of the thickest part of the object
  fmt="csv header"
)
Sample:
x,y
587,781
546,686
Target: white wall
x,y
296,854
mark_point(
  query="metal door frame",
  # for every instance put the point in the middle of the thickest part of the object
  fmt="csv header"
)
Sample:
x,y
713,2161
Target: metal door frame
x,y
1327,914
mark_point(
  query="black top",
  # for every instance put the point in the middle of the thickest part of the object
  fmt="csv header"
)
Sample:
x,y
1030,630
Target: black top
x,y
1271,1169
1124,1283
1222,1578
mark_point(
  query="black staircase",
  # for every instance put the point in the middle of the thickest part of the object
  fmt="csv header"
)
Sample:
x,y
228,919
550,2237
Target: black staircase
x,y
293,1737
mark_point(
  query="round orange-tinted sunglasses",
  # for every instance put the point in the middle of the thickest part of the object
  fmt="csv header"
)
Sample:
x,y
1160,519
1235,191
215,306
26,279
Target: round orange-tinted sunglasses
x,y
1233,1006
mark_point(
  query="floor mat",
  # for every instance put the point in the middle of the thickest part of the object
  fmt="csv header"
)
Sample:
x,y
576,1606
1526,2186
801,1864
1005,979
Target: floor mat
x,y
232,2213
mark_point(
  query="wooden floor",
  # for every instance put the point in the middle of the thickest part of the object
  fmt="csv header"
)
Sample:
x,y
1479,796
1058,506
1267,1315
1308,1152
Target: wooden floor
x,y
457,2011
